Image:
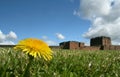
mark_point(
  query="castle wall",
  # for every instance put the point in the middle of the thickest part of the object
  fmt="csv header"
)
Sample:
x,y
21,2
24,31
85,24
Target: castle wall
x,y
55,47
105,47
71,45
81,44
97,43
110,47
64,45
91,48
114,47
74,45
100,41
106,41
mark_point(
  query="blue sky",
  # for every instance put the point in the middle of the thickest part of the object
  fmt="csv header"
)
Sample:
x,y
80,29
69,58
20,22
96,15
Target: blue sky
x,y
55,21
40,18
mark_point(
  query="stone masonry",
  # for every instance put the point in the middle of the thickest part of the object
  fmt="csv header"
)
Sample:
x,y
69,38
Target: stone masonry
x,y
97,43
100,41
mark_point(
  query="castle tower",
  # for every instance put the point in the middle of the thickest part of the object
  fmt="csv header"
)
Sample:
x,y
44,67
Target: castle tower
x,y
100,41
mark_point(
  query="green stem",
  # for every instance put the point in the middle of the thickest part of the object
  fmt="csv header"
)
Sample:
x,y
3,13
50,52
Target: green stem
x,y
27,70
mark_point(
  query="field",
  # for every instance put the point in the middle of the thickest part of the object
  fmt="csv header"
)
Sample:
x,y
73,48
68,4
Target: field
x,y
65,63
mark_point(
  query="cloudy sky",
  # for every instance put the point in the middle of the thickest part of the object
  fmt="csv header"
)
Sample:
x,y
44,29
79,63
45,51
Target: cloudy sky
x,y
55,21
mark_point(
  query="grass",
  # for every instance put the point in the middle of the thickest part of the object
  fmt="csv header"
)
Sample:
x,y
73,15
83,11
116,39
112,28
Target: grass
x,y
65,63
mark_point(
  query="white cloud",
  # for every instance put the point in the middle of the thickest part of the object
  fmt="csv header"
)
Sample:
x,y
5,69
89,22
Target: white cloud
x,y
60,36
7,38
44,37
104,16
48,41
2,36
11,35
92,8
51,43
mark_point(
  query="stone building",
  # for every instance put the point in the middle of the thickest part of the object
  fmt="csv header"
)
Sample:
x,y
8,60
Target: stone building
x,y
71,45
97,43
100,41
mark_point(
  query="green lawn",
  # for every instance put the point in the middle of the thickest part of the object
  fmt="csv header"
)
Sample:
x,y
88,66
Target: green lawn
x,y
65,63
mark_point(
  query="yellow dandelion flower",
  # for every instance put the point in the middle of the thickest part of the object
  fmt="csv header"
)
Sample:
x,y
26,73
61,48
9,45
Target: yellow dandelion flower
x,y
35,47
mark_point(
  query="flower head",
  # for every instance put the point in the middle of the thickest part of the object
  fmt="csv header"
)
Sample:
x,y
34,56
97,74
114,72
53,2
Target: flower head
x,y
35,47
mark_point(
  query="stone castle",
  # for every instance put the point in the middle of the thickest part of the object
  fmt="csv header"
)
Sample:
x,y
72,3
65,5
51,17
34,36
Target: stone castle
x,y
97,43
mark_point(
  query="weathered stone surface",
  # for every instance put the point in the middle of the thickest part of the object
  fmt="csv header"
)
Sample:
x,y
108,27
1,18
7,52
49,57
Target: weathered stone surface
x,y
97,43
64,45
71,45
100,41
91,48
